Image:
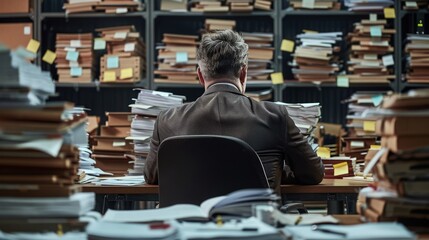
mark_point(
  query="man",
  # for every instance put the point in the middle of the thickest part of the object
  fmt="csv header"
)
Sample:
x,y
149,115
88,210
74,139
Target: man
x,y
223,109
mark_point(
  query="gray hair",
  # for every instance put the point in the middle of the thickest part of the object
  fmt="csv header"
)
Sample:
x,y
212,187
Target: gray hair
x,y
222,54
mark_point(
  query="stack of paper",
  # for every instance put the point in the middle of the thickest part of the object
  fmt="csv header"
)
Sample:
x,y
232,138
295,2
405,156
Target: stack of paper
x,y
209,6
219,24
177,59
216,5
147,106
261,54
74,60
125,59
371,53
242,5
414,4
367,6
417,50
305,117
317,57
265,5
317,4
107,6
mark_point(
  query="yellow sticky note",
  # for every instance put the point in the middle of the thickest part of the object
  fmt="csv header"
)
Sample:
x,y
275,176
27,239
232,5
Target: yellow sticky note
x,y
324,152
375,147
49,57
369,126
287,45
126,73
277,78
340,168
309,31
109,76
33,46
389,13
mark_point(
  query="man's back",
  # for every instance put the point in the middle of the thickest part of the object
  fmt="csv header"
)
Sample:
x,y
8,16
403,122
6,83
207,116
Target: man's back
x,y
223,110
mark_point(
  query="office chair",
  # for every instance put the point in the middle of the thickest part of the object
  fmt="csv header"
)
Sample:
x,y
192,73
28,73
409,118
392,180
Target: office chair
x,y
193,168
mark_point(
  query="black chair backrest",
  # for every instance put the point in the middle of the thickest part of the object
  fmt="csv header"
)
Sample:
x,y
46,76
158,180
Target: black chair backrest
x,y
193,168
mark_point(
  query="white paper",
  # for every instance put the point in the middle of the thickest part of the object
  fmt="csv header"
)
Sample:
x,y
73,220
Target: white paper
x,y
120,35
357,144
388,60
75,43
48,146
27,30
121,10
129,47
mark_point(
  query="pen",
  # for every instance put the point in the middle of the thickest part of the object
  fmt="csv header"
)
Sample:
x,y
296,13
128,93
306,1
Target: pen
x,y
316,228
298,220
245,229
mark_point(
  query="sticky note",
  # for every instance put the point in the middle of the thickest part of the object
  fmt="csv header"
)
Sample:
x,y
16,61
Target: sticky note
x,y
76,71
75,43
376,100
357,144
277,78
112,62
33,46
324,152
389,13
126,73
121,10
308,4
375,31
129,47
109,76
388,60
287,45
99,44
181,57
373,17
119,144
27,30
49,57
375,147
72,56
120,35
340,168
342,81
369,126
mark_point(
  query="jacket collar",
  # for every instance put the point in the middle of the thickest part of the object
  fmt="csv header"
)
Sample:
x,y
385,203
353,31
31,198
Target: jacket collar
x,y
222,87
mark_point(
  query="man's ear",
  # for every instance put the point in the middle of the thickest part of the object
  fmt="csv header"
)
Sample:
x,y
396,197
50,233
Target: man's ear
x,y
200,77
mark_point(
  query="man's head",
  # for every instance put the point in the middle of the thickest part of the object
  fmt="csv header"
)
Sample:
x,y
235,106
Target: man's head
x,y
222,57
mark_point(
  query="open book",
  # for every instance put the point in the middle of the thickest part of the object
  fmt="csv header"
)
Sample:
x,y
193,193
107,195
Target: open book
x,y
238,203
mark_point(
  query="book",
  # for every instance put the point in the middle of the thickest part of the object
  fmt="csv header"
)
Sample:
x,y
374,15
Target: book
x,y
238,203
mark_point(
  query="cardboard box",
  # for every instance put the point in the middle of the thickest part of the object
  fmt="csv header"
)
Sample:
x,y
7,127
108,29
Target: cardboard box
x,y
14,35
14,6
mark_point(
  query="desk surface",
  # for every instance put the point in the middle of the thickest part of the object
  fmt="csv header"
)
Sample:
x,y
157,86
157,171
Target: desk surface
x,y
326,186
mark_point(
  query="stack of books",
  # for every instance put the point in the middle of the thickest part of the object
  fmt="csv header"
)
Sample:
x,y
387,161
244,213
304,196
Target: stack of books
x,y
401,170
231,5
209,6
111,146
371,53
106,6
177,59
218,24
317,57
339,167
242,5
305,117
147,106
125,59
316,5
265,5
415,4
74,60
417,50
368,6
261,54
361,128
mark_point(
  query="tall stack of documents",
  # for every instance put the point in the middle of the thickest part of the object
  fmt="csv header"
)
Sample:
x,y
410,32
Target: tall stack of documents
x,y
401,167
107,6
177,59
111,147
317,57
361,128
371,52
147,106
417,50
216,5
414,4
368,6
305,117
74,60
261,54
125,58
317,4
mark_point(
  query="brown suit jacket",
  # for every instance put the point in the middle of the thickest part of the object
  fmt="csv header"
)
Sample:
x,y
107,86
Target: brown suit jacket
x,y
265,126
